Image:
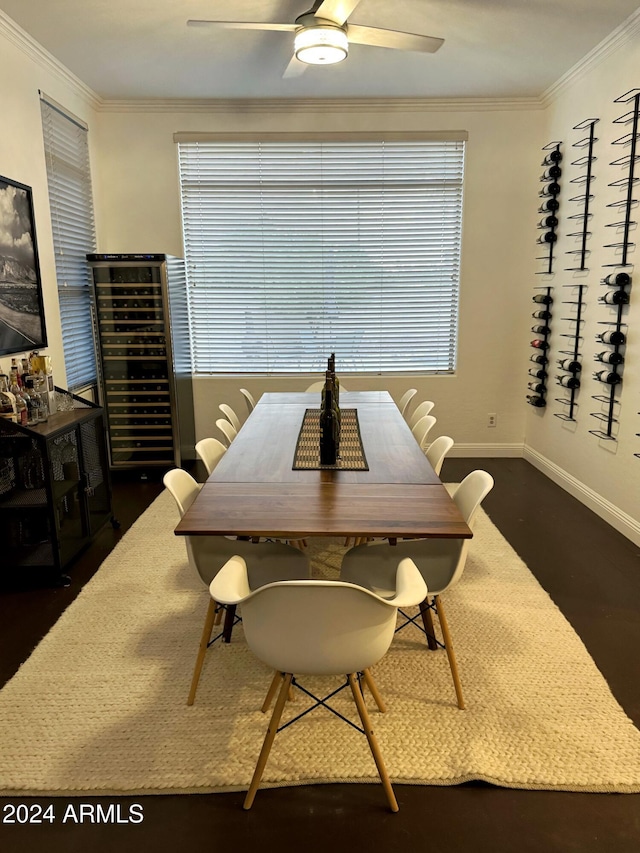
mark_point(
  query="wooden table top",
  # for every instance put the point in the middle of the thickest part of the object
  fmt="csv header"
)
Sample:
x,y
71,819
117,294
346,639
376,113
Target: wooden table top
x,y
254,490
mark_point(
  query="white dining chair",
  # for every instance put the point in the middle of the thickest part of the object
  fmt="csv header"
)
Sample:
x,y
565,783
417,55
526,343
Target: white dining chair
x,y
316,387
437,451
407,397
249,399
231,416
318,628
268,562
420,411
441,563
422,429
227,429
210,451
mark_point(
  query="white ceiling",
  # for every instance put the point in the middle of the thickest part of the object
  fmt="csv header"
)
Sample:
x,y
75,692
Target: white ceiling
x,y
143,48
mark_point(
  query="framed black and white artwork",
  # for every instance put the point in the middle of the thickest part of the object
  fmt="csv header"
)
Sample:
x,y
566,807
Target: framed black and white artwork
x,y
22,326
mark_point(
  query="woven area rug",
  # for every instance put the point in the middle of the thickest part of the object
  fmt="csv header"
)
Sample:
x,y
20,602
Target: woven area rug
x,y
100,707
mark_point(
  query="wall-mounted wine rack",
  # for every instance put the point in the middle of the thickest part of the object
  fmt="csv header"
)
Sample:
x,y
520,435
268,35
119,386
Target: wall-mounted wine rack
x,y
612,360
539,372
584,180
570,365
550,204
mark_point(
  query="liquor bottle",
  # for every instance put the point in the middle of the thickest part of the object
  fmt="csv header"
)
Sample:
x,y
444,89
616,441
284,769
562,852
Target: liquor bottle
x,y
543,299
7,401
336,381
570,365
609,378
615,337
328,430
534,400
539,374
549,205
609,357
541,330
551,173
552,157
539,359
538,387
548,237
552,189
568,381
541,315
548,222
615,297
21,404
619,279
538,344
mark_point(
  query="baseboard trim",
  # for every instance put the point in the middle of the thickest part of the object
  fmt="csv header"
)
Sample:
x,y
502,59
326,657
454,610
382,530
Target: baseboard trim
x,y
613,515
487,450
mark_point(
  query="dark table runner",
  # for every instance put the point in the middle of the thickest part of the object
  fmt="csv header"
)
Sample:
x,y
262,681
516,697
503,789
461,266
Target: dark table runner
x,y
351,455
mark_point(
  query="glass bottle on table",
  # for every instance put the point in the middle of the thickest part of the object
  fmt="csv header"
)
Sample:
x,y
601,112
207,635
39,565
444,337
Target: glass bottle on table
x,y
329,430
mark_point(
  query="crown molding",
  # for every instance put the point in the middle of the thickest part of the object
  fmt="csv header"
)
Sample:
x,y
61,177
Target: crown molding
x,y
609,45
316,105
29,46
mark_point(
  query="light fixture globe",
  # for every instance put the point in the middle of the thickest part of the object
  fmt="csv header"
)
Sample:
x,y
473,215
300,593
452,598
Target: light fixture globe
x,y
321,45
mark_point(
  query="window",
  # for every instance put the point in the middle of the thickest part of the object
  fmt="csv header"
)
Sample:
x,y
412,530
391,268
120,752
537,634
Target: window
x,y
70,200
298,249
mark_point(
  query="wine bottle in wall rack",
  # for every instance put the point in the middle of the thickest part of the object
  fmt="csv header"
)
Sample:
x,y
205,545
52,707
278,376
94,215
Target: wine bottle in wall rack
x,y
568,381
541,330
615,297
538,374
618,279
538,402
548,237
552,189
551,173
538,344
539,359
541,315
549,205
614,337
537,387
609,357
551,158
570,364
548,222
609,378
543,299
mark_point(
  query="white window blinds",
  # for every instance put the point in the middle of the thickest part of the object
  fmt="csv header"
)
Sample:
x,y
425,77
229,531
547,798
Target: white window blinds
x,y
298,249
71,204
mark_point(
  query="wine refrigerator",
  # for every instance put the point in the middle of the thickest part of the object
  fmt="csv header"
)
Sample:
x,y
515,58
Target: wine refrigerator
x,y
144,357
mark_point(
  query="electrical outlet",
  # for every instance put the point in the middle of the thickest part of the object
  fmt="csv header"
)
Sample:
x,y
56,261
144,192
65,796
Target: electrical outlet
x,y
492,419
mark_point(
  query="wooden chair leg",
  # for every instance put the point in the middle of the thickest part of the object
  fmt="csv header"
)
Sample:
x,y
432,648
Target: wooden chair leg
x,y
367,679
273,688
427,621
268,740
373,743
219,612
449,649
204,640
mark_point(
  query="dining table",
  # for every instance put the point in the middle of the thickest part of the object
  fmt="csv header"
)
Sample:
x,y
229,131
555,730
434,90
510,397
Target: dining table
x,y
256,491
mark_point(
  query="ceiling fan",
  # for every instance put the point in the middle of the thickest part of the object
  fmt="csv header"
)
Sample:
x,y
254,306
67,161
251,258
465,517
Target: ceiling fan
x,y
322,35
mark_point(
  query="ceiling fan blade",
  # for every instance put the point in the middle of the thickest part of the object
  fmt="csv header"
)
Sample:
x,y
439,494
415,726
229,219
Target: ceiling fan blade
x,y
243,25
393,39
295,68
336,10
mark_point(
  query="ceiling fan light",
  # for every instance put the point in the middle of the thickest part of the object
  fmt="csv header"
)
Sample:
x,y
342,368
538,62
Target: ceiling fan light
x,y
321,45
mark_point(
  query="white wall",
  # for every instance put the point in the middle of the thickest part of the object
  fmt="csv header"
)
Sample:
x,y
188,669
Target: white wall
x,y
604,474
138,190
24,69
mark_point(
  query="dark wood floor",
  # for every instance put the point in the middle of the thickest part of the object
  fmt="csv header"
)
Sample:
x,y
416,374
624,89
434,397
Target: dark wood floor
x,y
593,575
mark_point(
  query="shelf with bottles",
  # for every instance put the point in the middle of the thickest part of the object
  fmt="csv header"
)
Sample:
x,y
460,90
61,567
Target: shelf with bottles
x,y
610,361
538,372
584,199
549,205
570,364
